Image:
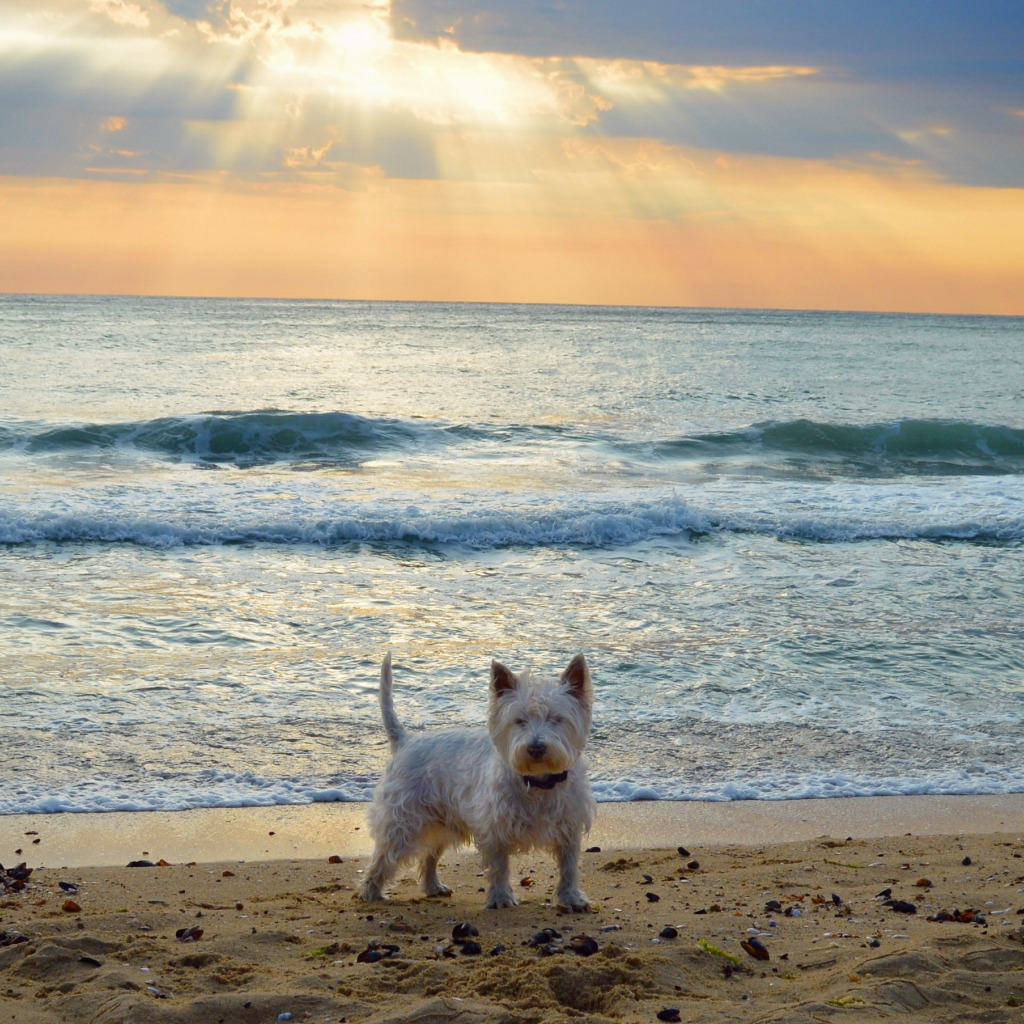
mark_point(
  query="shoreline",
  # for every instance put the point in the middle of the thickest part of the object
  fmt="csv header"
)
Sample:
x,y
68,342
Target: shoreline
x,y
315,831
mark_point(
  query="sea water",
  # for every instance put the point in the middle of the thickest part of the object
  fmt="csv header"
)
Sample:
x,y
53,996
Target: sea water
x,y
789,543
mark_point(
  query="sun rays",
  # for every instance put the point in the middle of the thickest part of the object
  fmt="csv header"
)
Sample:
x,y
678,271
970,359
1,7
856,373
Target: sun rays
x,y
310,128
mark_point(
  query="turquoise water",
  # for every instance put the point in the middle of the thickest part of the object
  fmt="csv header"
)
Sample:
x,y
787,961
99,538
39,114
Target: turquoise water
x,y
790,544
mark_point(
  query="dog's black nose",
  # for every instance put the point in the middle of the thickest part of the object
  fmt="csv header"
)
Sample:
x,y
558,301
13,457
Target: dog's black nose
x,y
536,750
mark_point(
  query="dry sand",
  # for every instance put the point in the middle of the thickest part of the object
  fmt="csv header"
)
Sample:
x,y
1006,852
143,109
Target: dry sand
x,y
283,936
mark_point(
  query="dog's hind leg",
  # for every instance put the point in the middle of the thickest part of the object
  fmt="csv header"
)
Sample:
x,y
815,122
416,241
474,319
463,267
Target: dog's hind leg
x,y
432,885
383,865
395,843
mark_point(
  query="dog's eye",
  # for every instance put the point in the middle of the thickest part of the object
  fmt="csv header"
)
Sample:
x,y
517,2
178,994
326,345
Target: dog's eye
x,y
520,720
555,719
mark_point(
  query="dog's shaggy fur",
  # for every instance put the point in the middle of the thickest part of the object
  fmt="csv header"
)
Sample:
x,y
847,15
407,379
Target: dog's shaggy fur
x,y
520,784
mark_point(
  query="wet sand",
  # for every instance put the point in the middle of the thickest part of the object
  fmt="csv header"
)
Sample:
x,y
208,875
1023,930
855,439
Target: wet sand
x,y
281,932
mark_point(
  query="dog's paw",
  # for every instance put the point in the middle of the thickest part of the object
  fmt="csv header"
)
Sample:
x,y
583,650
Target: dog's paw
x,y
574,901
438,889
497,900
370,894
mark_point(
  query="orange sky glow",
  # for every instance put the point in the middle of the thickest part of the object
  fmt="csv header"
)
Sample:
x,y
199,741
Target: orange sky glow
x,y
295,150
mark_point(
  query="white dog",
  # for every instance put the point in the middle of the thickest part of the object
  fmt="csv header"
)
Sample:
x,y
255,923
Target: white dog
x,y
520,784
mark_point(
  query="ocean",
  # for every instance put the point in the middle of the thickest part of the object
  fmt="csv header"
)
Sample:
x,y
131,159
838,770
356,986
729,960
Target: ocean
x,y
789,543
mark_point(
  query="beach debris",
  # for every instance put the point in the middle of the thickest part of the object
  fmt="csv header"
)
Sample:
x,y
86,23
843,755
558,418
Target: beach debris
x,y
11,938
334,859
771,906
622,864
526,882
462,936
837,900
693,865
155,992
464,932
652,897
646,880
755,948
141,864
668,933
71,907
68,886
923,883
285,1016
670,1015
583,945
966,862
883,895
593,849
499,948
400,925
901,906
188,934
715,951
377,951
874,944
332,950
959,916
546,942
90,961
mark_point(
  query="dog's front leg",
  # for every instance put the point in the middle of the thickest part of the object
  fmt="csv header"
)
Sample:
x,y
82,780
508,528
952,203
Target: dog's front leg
x,y
569,893
499,888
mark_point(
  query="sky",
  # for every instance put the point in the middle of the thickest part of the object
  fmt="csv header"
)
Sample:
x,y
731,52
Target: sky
x,y
813,154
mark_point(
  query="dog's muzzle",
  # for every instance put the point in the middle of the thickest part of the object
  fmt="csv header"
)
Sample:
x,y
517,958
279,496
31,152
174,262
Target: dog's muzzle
x,y
544,781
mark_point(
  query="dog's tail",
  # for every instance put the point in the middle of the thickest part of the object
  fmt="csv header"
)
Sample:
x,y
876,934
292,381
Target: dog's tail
x,y
392,726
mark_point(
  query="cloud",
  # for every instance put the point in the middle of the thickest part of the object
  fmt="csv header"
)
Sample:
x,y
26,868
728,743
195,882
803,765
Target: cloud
x,y
912,38
424,88
121,12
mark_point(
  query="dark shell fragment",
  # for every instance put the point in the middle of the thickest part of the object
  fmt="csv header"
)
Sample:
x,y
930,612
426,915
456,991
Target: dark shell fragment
x,y
583,945
464,931
542,938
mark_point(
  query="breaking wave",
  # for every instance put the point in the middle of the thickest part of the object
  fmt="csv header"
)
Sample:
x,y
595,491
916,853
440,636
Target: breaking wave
x,y
801,448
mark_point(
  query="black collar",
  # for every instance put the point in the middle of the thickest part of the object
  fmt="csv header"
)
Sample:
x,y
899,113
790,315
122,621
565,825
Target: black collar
x,y
544,781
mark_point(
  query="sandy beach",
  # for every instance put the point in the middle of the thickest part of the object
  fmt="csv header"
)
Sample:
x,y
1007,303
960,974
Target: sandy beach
x,y
754,912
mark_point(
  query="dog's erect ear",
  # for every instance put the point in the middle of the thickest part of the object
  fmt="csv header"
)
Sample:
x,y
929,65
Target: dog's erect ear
x,y
577,678
502,679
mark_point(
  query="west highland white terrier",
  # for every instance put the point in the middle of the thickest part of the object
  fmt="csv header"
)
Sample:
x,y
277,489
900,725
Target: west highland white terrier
x,y
520,784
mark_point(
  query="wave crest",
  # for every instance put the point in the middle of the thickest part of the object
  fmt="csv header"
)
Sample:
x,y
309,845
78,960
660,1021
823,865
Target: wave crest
x,y
239,438
902,447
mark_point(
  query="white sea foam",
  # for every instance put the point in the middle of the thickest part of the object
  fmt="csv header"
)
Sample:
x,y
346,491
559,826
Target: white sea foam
x,y
248,790
987,509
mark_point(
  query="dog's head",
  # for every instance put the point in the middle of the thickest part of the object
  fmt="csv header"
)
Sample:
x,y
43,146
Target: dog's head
x,y
539,728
